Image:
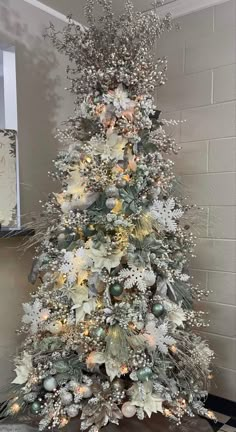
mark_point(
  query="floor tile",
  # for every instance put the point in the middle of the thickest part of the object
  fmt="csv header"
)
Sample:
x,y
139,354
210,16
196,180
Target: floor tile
x,y
227,428
216,426
222,418
232,422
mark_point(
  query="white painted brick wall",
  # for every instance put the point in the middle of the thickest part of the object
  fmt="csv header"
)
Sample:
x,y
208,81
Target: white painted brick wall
x,y
202,91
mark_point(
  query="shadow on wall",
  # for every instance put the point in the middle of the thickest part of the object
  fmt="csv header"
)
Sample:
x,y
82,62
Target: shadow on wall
x,y
39,94
42,106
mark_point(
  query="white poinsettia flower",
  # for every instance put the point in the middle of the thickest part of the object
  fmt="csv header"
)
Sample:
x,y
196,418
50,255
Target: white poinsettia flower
x,y
34,315
83,305
166,214
23,369
73,263
76,184
76,196
175,314
120,99
143,397
111,148
102,258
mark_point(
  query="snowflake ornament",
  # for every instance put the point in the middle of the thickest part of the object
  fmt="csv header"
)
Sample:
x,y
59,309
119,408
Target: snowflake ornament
x,y
73,263
35,315
157,337
134,276
166,214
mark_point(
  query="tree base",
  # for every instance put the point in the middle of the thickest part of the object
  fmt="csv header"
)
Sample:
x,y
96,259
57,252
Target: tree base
x,y
157,423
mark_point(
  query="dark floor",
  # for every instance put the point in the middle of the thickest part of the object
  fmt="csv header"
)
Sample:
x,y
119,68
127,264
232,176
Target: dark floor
x,y
225,412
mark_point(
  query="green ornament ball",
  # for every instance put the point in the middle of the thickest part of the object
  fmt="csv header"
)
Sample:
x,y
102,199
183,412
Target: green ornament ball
x,y
144,374
116,290
157,309
35,407
99,333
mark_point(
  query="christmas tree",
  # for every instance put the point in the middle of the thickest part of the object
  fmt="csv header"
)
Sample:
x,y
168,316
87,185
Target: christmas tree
x,y
109,330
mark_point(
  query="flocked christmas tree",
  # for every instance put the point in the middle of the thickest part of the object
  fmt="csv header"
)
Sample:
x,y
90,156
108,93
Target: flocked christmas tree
x,y
110,327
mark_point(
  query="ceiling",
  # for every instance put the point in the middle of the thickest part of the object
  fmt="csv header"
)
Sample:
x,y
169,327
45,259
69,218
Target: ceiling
x,y
75,7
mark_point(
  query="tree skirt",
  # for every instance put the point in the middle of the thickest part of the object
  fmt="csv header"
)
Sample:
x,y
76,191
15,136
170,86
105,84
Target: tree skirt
x,y
156,424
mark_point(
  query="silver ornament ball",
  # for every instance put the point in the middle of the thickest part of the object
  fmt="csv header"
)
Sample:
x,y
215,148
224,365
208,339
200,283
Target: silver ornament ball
x,y
73,411
66,398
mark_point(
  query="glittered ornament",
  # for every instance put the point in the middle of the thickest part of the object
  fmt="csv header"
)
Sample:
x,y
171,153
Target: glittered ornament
x,y
128,410
35,407
66,398
85,391
116,290
149,277
157,309
30,397
73,410
55,327
144,374
72,385
110,203
118,385
112,192
121,183
50,384
61,366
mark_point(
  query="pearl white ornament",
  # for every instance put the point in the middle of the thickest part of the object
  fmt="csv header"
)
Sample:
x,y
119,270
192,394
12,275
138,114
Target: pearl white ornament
x,y
50,384
66,398
110,203
55,327
128,410
73,411
111,191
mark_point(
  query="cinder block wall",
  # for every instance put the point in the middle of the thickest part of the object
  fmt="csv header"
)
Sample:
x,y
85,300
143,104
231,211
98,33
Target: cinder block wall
x,y
201,91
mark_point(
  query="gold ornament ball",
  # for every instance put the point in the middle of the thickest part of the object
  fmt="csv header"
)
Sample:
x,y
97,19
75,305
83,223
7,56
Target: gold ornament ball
x,y
55,327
